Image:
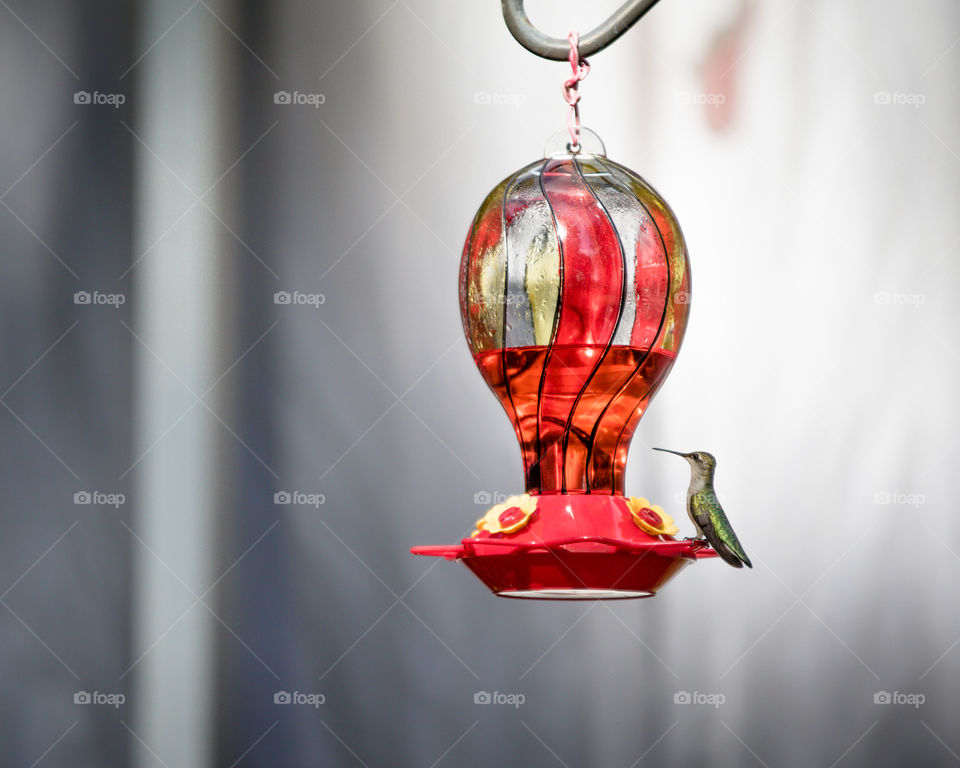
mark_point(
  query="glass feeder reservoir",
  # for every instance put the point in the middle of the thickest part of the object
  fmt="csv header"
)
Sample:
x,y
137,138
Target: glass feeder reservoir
x,y
574,294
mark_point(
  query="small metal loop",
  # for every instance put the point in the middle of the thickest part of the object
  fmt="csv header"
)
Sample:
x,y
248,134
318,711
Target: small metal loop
x,y
556,48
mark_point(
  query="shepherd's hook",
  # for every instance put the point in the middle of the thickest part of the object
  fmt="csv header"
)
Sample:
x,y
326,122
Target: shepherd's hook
x,y
557,48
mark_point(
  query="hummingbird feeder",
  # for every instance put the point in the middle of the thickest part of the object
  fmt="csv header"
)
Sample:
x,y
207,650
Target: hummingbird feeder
x,y
574,296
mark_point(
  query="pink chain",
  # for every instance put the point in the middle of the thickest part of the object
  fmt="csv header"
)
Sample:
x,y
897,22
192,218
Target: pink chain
x,y
571,89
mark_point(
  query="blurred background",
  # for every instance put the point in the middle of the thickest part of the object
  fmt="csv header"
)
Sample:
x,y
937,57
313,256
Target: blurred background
x,y
209,492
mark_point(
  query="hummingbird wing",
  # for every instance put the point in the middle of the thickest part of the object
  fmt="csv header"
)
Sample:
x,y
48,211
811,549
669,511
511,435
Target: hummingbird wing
x,y
717,529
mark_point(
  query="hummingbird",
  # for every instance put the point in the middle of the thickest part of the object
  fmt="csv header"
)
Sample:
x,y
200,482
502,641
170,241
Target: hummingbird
x,y
705,511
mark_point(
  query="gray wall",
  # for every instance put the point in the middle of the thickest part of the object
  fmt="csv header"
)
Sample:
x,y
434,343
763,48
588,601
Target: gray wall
x,y
820,366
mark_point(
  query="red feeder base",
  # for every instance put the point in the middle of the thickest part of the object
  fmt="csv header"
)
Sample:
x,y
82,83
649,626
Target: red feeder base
x,y
575,547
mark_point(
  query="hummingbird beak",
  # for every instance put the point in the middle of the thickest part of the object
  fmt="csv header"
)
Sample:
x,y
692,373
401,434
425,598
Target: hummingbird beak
x,y
667,450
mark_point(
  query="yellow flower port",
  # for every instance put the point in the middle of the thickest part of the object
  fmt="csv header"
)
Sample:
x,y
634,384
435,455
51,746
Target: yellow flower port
x,y
651,518
508,516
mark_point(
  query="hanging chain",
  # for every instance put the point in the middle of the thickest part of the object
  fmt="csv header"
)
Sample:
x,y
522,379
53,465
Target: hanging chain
x,y
571,89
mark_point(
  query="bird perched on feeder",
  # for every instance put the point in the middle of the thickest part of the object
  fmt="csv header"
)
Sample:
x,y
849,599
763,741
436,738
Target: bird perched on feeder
x,y
705,511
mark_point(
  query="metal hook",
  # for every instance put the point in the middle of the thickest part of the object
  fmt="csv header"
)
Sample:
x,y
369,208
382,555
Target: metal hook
x,y
557,49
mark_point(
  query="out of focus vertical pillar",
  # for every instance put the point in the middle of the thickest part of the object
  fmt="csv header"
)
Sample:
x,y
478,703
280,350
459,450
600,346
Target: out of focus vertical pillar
x,y
179,288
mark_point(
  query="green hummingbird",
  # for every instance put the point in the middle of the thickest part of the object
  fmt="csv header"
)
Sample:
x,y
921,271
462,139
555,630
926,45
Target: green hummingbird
x,y
705,511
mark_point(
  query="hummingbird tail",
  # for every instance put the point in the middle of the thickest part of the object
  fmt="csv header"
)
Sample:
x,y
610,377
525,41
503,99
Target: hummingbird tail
x,y
731,557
